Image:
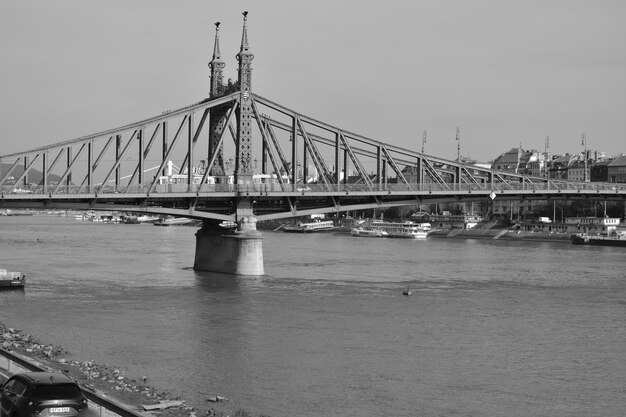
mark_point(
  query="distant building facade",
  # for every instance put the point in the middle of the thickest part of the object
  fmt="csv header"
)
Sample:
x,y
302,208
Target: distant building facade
x,y
616,170
576,171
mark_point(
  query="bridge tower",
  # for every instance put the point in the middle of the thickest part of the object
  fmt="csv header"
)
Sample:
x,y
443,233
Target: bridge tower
x,y
243,165
218,249
217,115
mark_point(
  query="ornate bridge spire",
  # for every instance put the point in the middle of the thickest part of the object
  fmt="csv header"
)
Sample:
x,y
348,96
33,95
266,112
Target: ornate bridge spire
x,y
243,170
217,66
244,37
217,121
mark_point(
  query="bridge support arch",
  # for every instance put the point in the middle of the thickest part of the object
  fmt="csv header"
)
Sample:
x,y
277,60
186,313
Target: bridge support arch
x,y
231,251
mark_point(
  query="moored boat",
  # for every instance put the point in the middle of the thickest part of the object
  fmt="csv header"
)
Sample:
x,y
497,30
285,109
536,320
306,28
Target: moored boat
x,y
176,221
586,239
363,231
407,230
11,279
316,226
141,219
146,218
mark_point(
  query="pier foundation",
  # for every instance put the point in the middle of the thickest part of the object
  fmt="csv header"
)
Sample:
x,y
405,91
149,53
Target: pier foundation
x,y
231,251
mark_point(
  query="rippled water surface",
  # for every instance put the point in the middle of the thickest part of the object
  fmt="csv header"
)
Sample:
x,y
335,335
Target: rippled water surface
x,y
493,328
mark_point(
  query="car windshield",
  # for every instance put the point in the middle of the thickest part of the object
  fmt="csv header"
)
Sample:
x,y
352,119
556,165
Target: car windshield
x,y
56,391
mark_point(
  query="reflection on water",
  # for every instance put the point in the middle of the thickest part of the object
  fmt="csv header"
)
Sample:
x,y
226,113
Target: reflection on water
x,y
492,328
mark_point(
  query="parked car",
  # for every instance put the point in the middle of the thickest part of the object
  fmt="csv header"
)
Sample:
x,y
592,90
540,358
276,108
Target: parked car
x,y
41,394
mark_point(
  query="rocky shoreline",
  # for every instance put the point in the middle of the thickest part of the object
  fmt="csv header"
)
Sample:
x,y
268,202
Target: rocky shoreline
x,y
132,392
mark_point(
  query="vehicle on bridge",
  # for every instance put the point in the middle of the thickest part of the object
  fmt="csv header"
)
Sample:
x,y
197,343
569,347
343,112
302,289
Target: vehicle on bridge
x,y
179,182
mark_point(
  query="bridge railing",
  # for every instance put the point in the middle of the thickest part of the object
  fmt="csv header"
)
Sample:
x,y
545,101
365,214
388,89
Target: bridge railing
x,y
304,189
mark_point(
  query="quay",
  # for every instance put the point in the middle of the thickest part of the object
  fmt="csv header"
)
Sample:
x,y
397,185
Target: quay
x,y
501,234
11,363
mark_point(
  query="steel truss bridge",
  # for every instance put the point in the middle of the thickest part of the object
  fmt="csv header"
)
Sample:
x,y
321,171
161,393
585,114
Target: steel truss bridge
x,y
304,160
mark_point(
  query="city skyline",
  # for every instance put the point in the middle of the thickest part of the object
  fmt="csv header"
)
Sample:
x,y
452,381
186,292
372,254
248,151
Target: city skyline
x,y
506,73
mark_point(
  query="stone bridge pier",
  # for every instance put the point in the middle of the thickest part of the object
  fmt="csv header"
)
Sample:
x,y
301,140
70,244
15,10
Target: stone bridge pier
x,y
237,251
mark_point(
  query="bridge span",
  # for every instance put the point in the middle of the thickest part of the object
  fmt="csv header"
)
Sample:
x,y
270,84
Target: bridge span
x,y
241,158
270,201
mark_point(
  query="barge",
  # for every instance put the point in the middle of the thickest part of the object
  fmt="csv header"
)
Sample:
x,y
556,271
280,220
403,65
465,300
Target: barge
x,y
586,239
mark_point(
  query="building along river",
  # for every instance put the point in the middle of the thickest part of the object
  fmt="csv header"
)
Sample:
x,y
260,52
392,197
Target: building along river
x,y
493,328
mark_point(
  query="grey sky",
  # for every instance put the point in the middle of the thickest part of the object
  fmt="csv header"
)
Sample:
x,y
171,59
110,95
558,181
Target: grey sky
x,y
505,72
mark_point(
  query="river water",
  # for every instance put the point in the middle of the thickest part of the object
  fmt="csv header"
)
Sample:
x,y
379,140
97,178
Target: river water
x,y
493,328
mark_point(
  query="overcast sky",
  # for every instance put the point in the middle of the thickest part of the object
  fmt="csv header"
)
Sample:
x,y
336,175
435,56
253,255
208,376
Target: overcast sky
x,y
505,72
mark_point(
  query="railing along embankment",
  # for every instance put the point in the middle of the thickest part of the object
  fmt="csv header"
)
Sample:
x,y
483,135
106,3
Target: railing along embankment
x,y
13,363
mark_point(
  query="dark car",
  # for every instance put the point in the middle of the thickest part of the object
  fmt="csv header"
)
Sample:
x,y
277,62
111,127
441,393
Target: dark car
x,y
41,394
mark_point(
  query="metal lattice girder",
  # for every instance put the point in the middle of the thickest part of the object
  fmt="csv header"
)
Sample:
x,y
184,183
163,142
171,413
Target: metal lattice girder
x,y
25,173
194,140
446,180
97,161
229,118
169,150
169,115
271,155
284,163
119,158
267,128
144,154
502,180
95,141
8,174
355,161
434,174
346,137
469,178
68,170
409,155
267,135
319,162
355,146
394,166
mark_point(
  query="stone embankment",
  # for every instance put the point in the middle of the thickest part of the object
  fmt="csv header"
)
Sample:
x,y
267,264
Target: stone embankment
x,y
501,234
134,393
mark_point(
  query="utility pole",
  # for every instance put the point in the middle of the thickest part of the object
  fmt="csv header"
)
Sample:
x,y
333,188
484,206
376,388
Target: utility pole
x,y
584,143
458,146
421,162
545,154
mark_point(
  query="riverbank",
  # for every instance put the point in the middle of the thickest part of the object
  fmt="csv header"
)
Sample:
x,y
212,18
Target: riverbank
x,y
132,392
501,234
495,234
